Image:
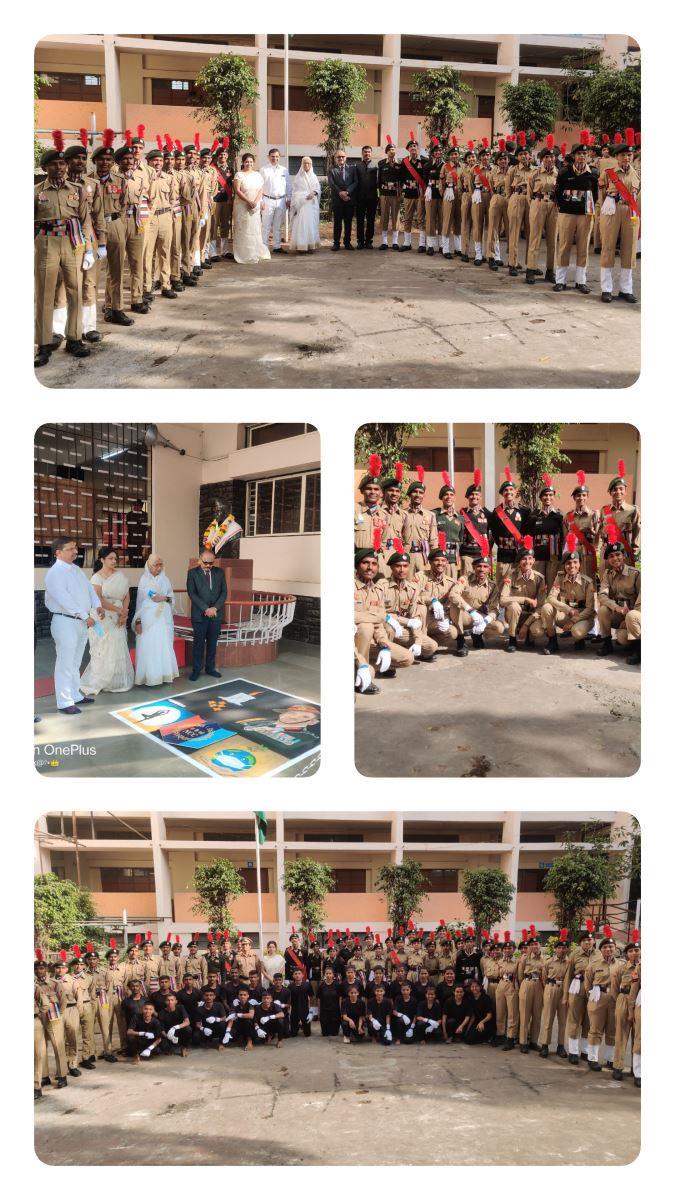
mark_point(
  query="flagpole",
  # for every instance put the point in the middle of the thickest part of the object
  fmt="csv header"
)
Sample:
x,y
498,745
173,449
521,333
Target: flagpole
x,y
257,871
288,161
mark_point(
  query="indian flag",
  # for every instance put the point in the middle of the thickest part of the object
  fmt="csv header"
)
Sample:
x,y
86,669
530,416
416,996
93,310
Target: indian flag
x,y
261,827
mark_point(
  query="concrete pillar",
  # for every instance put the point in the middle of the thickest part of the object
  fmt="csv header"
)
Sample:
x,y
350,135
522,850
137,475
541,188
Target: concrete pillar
x,y
489,486
160,862
260,108
397,837
281,895
113,84
508,55
42,858
615,47
391,87
510,860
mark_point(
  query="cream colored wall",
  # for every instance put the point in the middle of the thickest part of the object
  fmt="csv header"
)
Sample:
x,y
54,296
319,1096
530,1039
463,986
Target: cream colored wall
x,y
226,461
175,500
286,564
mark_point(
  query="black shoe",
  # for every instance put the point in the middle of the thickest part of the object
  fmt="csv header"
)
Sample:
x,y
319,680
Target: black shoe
x,y
584,1056
583,288
77,349
404,249
217,258
477,639
534,1046
524,1049
177,285
508,1044
206,265
140,308
421,249
395,246
635,657
383,246
461,651
538,271
45,1081
594,1066
43,356
560,287
156,285
637,1083
74,1072
430,658
465,258
111,1058
447,254
606,648
492,264
334,248
93,336
56,341
628,297
552,647
87,700
188,281
148,298
61,1081
573,1059
543,1053
511,648
561,1052
513,271
117,317
197,271
529,276
371,690
618,1075
348,246
37,1093
369,246
390,674
88,1064
606,297
72,710
169,294
194,676
549,277
213,673
597,250
431,251
478,262
499,1040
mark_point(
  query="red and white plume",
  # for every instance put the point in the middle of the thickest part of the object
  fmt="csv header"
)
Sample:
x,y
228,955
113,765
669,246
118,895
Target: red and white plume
x,y
389,141
140,130
507,475
527,542
546,480
521,137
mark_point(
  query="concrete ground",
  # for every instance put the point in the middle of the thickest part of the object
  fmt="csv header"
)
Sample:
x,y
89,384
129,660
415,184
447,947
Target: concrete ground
x,y
498,714
121,751
320,1102
366,319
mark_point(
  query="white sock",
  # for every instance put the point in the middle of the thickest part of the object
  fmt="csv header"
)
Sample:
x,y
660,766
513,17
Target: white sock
x,y
88,318
581,275
458,242
584,1046
478,249
384,238
446,245
59,321
638,248
637,1066
196,261
407,239
561,274
423,239
626,280
606,281
573,1046
394,238
416,650
497,252
593,1053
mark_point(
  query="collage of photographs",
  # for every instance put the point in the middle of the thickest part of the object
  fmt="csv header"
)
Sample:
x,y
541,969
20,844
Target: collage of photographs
x,y
390,942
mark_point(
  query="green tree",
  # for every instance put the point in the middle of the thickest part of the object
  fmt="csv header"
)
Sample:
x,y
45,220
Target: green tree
x,y
488,892
217,884
389,441
601,96
38,82
224,87
532,105
535,448
404,885
334,89
441,95
588,873
63,913
306,883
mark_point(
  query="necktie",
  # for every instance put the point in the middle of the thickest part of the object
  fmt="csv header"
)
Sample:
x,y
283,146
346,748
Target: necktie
x,y
343,174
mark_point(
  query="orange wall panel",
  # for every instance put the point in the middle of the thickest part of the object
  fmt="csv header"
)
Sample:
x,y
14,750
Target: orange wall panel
x,y
177,120
137,904
534,906
306,129
473,128
244,910
70,114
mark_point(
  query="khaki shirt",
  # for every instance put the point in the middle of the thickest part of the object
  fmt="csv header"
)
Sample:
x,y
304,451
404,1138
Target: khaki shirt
x,y
447,179
577,966
160,193
490,968
113,192
508,972
366,521
466,179
498,181
531,968
135,187
60,202
555,969
151,971
393,528
587,522
369,608
45,995
629,178
518,179
420,531
435,587
620,587
115,981
542,183
402,599
195,965
627,518
575,598
472,593
517,587
415,961
598,971
69,993
247,963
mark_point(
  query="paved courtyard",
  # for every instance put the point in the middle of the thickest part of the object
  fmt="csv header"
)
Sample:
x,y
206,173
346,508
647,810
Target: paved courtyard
x,y
319,1102
366,319
498,714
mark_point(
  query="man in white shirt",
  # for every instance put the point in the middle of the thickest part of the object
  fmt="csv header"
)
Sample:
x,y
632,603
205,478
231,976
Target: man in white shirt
x,y
276,199
70,597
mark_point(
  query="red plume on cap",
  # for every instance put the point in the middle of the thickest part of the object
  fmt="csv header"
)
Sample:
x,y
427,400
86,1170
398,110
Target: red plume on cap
x,y
420,473
581,478
507,475
148,936
348,931
312,937
584,138
634,937
638,138
377,539
446,478
470,931
622,467
507,935
533,136
617,139
137,939
198,141
178,939
527,542
605,139
179,146
607,931
411,924
591,139
84,137
521,137
292,928
389,141
485,933
477,477
168,937
399,468
412,136
571,543
564,934
374,464
209,936
226,934
401,931
89,947
377,938
77,952
442,541
502,145
112,942
39,956
454,141
471,145
589,925
357,940
63,955
226,142
563,148
128,138
486,142
524,933
546,479
550,141
532,928
214,145
398,547
160,143
495,936
168,142
108,138
389,933
140,130
613,531
435,141
57,138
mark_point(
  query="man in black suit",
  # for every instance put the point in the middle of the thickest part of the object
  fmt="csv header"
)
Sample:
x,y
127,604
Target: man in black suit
x,y
366,199
343,185
208,593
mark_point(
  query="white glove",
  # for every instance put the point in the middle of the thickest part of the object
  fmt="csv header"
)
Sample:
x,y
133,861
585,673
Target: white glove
x,y
387,1035
253,1003
409,1032
444,625
264,1020
278,1004
431,1025
227,1038
362,679
476,196
87,261
449,194
575,987
383,661
101,252
485,983
148,1035
414,623
202,222
261,1033
235,1004
437,610
371,977
406,1020
146,1053
489,619
478,627
210,1020
416,650
375,1024
207,1032
608,206
594,994
172,1032
396,626
475,616
427,194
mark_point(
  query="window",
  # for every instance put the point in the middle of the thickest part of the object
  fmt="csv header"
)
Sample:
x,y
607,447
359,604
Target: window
x,y
430,837
249,877
486,106
285,505
93,483
582,460
531,879
435,458
298,100
333,837
410,107
173,91
441,879
262,435
349,879
64,86
127,879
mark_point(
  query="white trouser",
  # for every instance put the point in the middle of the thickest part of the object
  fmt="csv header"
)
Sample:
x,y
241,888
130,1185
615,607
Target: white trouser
x,y
88,318
273,218
637,1066
59,321
70,639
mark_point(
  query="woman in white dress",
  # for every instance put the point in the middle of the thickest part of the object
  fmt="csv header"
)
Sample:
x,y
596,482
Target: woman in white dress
x,y
305,209
153,625
247,239
110,668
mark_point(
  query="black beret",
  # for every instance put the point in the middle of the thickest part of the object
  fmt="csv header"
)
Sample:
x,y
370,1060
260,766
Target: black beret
x,y
359,556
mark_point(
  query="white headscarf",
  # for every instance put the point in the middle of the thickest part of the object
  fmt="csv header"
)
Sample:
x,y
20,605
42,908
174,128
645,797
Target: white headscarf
x,y
160,584
305,181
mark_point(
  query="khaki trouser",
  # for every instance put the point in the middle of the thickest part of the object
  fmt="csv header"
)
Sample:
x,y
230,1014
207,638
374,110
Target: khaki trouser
x,y
577,1016
432,217
554,1009
54,1031
637,1030
463,621
622,1029
518,220
411,213
479,217
158,238
417,563
543,222
71,1022
506,998
54,255
465,220
497,220
388,212
39,1051
598,1024
553,620
363,640
447,639
206,234
223,219
548,569
571,229
449,210
116,237
530,1005
116,1017
504,569
622,228
176,246
87,1025
411,637
518,616
628,627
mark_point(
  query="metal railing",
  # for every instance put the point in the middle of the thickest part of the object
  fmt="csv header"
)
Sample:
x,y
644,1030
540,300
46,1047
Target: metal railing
x,y
258,621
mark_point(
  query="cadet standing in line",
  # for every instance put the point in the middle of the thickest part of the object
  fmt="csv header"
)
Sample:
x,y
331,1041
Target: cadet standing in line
x,y
115,979
412,211
508,524
100,1001
370,518
506,998
546,526
159,234
523,596
543,217
619,221
574,991
498,219
389,184
555,1003
517,190
451,206
584,523
433,217
480,202
406,614
420,532
132,211
50,1013
175,281
576,196
531,969
619,604
113,194
623,516
476,543
223,200
94,231
392,512
70,1003
466,183
474,606
570,604
623,978
85,981
597,980
451,523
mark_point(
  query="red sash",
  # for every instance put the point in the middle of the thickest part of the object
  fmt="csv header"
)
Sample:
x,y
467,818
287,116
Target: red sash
x,y
623,191
297,962
581,537
449,171
224,185
515,533
607,510
477,171
478,538
415,174
394,957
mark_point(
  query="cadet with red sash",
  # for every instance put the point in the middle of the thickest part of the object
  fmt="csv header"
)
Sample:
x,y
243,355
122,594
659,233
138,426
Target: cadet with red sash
x,y
508,524
450,523
413,188
584,523
576,197
476,542
480,201
619,221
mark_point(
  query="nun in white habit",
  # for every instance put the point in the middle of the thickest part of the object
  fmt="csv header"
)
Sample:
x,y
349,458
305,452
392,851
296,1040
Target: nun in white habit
x,y
153,624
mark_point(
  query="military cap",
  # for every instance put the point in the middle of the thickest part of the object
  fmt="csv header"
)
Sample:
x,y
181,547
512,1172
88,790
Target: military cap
x,y
75,151
582,487
614,548
525,547
194,942
437,553
113,950
359,555
416,486
163,944
51,155
101,150
138,141
397,557
579,146
608,941
205,151
508,483
472,488
467,153
390,482
484,558
188,146
153,154
618,480
373,474
547,487
120,153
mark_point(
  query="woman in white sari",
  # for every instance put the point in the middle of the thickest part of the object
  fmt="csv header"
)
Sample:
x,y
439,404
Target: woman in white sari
x,y
247,239
305,209
110,668
153,625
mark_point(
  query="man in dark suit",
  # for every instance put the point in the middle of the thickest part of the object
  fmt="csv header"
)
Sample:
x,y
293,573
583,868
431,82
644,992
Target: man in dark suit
x,y
343,185
366,199
208,593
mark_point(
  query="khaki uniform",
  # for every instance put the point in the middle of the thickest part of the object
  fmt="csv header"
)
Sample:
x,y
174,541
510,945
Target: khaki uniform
x,y
169,968
60,213
482,596
621,986
555,1005
490,969
438,587
85,982
179,967
626,517
94,230
420,535
506,999
587,522
616,589
159,232
570,601
574,991
195,965
198,206
101,1006
517,191
600,1007
480,208
113,198
366,521
69,997
446,959
132,232
151,973
466,187
530,996
39,1047
543,216
402,601
370,616
114,982
415,961
624,225
635,1011
452,202
247,963
207,232
176,228
135,969
432,964
498,220
47,1003
519,616
393,528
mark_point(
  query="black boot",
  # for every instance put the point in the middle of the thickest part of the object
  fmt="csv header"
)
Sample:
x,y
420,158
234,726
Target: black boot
x,y
43,356
552,647
189,281
37,1093
606,647
524,1049
117,317
465,258
606,297
634,658
573,1059
92,336
169,294
561,1052
560,287
549,277
511,648
77,349
508,1044
637,1082
477,639
88,1064
543,1053
461,650
111,1058
74,1072
390,674
492,264
583,288
177,285
617,1074
141,308
529,276
61,1081
594,1066
513,271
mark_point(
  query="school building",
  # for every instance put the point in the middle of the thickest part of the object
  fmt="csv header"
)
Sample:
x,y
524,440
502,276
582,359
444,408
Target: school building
x,y
122,80
139,866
